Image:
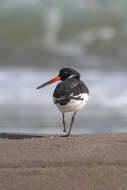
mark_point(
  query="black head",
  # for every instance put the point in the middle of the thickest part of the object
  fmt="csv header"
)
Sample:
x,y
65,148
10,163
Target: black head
x,y
66,73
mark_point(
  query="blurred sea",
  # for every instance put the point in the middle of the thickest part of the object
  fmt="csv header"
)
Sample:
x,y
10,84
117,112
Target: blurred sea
x,y
38,38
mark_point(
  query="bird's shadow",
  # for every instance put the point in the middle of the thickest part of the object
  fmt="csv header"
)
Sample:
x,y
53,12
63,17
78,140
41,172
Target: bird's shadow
x,y
19,136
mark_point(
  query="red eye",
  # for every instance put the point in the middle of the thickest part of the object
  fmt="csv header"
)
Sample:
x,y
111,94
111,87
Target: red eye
x,y
65,72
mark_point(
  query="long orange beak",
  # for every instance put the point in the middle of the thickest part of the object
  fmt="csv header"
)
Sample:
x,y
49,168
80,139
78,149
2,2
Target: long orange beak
x,y
57,78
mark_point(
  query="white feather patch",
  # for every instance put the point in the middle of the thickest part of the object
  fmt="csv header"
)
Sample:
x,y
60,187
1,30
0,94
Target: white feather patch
x,y
74,104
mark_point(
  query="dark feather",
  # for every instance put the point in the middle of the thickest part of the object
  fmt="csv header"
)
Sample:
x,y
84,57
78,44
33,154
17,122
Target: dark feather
x,y
68,89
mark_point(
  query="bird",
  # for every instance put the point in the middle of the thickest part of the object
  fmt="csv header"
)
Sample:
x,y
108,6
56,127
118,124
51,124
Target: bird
x,y
70,95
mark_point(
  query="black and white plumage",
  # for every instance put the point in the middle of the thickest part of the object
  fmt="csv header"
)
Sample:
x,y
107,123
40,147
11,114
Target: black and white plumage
x,y
70,95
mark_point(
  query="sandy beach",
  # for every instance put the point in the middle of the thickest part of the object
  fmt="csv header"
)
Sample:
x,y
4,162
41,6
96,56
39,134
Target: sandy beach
x,y
90,162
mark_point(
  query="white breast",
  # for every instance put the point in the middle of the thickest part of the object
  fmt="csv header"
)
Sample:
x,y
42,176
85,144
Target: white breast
x,y
74,104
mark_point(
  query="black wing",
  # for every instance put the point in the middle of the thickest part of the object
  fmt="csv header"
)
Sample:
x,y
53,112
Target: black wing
x,y
69,89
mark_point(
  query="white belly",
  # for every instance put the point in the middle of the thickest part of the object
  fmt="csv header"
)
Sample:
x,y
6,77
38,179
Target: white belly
x,y
74,105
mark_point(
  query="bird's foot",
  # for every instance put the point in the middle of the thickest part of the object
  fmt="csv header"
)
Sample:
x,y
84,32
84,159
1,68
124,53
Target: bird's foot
x,y
65,130
66,135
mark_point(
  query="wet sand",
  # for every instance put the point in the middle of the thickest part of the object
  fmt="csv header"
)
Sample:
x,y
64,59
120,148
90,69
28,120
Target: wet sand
x,y
50,162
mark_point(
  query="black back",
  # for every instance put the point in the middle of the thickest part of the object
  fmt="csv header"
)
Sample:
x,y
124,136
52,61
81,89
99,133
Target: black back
x,y
68,89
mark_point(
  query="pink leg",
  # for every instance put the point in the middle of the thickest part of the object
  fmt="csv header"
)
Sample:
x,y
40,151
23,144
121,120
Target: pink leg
x,y
64,123
72,121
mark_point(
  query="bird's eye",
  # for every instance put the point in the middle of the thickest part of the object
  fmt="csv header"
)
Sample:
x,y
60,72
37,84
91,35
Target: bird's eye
x,y
65,72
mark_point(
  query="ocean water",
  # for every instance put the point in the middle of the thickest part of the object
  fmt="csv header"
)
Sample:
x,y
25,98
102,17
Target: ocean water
x,y
24,109
39,37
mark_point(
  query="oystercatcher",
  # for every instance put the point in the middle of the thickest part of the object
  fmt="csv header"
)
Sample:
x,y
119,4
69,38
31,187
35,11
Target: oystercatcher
x,y
70,95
